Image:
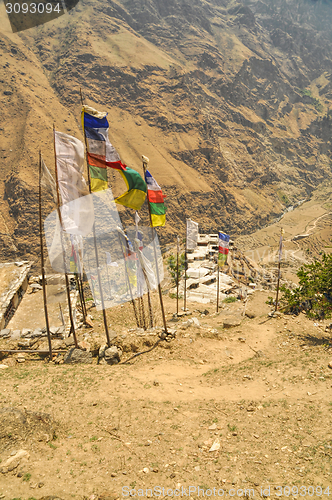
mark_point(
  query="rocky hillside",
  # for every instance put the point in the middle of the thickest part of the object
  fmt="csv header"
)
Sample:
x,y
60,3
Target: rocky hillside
x,y
229,100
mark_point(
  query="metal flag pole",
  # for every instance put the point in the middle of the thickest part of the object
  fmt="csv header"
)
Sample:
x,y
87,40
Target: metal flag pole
x,y
72,326
43,263
95,243
145,164
177,275
279,263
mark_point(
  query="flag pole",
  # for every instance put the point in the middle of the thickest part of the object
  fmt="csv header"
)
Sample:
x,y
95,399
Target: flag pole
x,y
217,286
128,282
144,274
177,276
145,164
79,282
96,250
95,243
143,312
185,273
140,320
140,299
72,326
80,293
150,309
279,263
42,263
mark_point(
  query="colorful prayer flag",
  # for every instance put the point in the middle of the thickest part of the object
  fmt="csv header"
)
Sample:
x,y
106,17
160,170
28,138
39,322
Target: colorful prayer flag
x,y
102,154
156,200
223,242
136,194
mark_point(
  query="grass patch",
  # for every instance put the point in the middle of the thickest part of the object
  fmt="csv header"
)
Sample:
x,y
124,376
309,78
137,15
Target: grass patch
x,y
229,300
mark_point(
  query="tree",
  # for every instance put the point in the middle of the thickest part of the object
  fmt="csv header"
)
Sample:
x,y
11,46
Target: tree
x,y
172,267
314,293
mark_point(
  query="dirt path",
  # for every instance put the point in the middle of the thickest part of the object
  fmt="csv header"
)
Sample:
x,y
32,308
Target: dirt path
x,y
261,393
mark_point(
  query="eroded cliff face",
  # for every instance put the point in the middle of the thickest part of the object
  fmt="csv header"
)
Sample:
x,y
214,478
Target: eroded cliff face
x,y
229,100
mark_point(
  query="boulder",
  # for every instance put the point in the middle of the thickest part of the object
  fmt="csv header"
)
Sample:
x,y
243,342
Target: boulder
x,y
16,334
25,332
76,356
13,461
196,322
112,355
5,333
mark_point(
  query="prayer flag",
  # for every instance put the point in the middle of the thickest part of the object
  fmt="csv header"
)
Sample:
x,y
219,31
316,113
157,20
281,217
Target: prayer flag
x,y
47,180
223,242
135,195
192,234
70,165
77,207
102,154
280,247
156,200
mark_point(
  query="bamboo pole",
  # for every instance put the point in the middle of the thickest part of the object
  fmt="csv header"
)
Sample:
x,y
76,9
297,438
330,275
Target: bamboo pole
x,y
32,351
217,287
145,163
185,273
145,278
150,309
143,313
80,293
279,263
43,263
80,280
128,281
72,326
177,275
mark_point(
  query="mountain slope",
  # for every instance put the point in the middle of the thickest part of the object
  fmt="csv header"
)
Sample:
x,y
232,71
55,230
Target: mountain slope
x,y
229,100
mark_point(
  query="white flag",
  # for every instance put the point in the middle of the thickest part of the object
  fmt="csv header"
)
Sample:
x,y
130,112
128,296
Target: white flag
x,y
77,205
280,247
192,234
47,180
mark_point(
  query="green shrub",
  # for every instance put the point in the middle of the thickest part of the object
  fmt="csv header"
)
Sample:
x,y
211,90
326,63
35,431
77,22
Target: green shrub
x,y
314,293
172,267
229,300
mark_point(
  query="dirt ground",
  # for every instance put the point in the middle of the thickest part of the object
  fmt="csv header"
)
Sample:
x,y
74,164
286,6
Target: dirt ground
x,y
243,411
260,393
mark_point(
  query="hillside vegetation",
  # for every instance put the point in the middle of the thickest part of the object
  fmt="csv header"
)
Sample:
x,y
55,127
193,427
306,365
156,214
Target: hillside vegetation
x,y
229,100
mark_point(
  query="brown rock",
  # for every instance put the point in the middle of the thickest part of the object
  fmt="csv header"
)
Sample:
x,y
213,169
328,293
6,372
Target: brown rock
x,y
231,322
76,356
